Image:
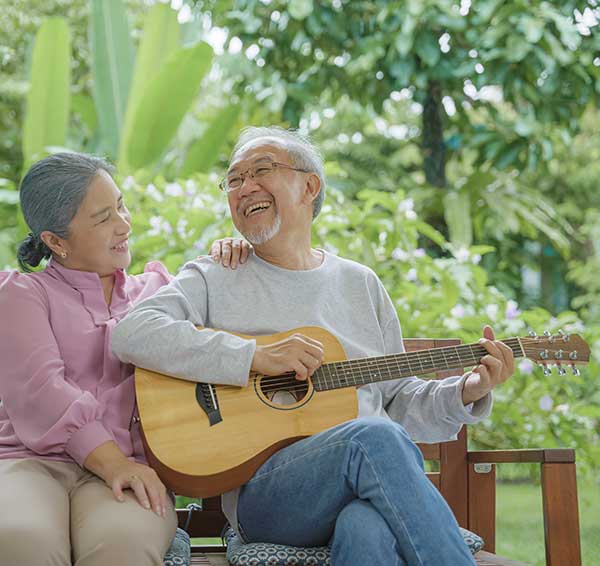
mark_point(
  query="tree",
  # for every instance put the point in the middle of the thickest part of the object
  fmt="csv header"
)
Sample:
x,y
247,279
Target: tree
x,y
537,57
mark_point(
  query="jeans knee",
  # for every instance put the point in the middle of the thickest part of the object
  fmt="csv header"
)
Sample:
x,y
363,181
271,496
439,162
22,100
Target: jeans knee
x,y
360,524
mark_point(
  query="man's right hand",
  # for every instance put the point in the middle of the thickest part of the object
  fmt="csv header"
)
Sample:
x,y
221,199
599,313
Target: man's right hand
x,y
297,353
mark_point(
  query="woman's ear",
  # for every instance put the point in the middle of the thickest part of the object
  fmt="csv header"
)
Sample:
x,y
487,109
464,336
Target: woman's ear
x,y
56,245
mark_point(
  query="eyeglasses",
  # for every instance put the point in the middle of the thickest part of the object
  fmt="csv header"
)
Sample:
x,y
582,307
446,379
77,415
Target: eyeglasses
x,y
236,180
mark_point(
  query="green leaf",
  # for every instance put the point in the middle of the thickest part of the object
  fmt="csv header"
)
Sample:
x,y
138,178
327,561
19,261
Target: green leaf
x,y
516,48
428,48
300,9
457,213
83,105
165,101
48,100
205,151
112,67
161,36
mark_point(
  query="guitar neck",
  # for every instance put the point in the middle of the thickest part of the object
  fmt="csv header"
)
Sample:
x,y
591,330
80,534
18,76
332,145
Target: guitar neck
x,y
361,371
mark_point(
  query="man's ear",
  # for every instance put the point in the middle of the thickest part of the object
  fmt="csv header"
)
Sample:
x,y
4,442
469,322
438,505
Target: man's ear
x,y
53,242
312,188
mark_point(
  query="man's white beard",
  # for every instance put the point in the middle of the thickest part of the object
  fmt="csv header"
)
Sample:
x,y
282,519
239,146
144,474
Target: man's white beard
x,y
263,235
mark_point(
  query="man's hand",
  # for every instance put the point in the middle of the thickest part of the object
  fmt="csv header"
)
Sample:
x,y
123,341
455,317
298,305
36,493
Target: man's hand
x,y
297,353
230,251
493,369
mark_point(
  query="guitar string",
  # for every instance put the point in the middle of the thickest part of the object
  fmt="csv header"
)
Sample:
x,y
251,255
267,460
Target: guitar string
x,y
407,360
404,368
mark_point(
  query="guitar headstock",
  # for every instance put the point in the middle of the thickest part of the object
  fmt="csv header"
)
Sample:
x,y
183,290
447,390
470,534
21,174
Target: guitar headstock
x,y
558,350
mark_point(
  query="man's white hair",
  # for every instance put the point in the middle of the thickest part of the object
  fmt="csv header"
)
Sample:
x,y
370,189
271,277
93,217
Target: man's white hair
x,y
303,153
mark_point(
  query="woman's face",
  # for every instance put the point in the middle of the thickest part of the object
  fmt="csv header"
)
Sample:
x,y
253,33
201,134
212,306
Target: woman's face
x,y
99,233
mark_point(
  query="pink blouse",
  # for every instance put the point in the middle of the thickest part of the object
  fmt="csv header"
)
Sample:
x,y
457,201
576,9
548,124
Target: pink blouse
x,y
62,391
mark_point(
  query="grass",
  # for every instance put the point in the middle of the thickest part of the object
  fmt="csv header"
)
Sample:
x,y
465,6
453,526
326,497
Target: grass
x,y
519,523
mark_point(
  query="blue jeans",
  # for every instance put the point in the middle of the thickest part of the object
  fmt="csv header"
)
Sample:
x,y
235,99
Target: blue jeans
x,y
359,487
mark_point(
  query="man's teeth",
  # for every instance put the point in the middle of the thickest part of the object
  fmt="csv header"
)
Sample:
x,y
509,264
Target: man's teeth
x,y
121,246
256,206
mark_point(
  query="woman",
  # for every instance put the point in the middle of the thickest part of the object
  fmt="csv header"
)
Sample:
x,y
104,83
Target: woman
x,y
75,487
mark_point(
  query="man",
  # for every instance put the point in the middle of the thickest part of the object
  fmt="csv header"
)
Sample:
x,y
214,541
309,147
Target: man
x,y
359,486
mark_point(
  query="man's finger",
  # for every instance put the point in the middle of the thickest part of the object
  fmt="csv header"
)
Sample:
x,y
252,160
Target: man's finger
x,y
488,333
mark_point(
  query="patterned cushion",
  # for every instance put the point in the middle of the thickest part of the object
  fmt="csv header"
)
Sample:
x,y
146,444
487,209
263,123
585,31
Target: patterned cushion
x,y
179,552
263,554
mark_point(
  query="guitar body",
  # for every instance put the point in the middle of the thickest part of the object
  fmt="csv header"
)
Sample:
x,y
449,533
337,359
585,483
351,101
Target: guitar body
x,y
196,458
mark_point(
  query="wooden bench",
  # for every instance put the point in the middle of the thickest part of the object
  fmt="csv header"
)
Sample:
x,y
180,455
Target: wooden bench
x,y
467,480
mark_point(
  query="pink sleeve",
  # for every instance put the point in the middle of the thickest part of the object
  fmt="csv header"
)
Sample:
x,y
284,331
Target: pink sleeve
x,y
161,271
49,415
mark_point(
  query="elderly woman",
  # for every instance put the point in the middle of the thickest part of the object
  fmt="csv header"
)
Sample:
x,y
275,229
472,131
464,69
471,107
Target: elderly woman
x,y
75,487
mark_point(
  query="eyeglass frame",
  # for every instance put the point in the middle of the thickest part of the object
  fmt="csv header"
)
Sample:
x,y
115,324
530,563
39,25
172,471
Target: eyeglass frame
x,y
272,166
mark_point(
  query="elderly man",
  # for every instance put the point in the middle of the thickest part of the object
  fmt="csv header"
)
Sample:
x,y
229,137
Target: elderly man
x,y
359,486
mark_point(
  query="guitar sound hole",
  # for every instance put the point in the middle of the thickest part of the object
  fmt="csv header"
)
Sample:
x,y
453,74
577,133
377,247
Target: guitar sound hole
x,y
283,389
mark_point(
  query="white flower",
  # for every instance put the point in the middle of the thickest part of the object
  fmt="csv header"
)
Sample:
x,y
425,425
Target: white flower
x,y
451,323
512,310
457,311
174,189
399,254
546,403
563,408
406,207
462,255
154,193
475,259
128,182
159,226
181,227
526,367
411,275
491,311
419,252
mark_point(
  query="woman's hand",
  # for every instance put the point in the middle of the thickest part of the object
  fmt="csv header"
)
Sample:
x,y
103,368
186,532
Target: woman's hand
x,y
145,484
109,463
230,251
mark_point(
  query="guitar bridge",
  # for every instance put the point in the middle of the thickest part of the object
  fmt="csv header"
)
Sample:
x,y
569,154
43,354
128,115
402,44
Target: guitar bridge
x,y
206,395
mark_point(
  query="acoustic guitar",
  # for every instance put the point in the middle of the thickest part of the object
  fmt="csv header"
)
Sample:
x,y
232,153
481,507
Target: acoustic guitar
x,y
205,439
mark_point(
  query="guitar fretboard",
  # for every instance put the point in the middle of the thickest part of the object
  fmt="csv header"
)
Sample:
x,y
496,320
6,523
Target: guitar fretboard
x,y
361,371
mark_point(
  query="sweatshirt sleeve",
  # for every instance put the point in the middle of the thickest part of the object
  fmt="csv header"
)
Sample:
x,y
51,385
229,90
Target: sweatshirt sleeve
x,y
160,334
429,410
49,415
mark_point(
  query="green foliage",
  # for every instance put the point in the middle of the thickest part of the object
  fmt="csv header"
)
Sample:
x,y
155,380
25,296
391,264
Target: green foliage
x,y
49,95
112,67
160,39
366,49
162,107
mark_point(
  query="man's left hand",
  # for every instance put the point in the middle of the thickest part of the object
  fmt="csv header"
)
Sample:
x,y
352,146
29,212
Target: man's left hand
x,y
493,369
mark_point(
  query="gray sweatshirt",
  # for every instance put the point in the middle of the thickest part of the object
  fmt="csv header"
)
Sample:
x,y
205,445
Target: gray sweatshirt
x,y
342,296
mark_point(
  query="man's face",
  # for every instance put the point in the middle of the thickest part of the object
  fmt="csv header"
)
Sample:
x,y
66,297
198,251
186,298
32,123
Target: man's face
x,y
266,206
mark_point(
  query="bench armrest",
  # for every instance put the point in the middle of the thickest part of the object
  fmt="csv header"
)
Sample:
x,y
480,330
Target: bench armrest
x,y
542,456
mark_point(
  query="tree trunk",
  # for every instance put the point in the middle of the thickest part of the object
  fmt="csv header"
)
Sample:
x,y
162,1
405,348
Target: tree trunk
x,y
433,136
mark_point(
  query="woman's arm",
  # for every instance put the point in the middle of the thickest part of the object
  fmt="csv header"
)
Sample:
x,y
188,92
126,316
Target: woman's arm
x,y
49,415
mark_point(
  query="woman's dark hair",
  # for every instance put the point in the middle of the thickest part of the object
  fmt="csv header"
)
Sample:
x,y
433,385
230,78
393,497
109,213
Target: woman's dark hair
x,y
51,193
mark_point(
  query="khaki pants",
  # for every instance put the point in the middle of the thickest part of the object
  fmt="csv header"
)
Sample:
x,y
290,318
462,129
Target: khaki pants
x,y
57,514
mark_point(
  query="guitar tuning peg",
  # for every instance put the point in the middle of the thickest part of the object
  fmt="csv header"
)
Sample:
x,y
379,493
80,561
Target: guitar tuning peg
x,y
532,334
575,370
565,336
547,333
547,370
561,370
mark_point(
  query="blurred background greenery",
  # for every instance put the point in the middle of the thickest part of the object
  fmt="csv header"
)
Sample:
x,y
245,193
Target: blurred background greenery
x,y
462,149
